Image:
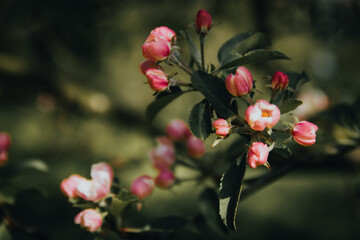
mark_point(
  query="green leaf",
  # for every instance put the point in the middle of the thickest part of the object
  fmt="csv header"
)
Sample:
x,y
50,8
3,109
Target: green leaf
x,y
230,189
289,105
254,56
200,120
120,201
237,147
215,92
162,101
297,79
117,206
280,151
4,232
209,207
192,47
243,43
34,164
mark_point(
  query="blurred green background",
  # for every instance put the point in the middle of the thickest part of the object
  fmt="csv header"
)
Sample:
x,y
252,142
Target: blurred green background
x,y
71,94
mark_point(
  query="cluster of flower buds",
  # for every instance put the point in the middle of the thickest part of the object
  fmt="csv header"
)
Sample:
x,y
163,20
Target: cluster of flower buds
x,y
163,158
157,48
5,142
261,116
93,190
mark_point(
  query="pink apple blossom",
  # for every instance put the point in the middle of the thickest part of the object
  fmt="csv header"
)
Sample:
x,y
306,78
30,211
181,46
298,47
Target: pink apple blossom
x,y
91,190
69,185
89,219
102,173
258,154
262,115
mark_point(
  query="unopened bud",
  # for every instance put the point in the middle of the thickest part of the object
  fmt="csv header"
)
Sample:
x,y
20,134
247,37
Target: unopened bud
x,y
163,156
156,48
239,84
147,64
165,32
304,133
222,127
142,186
165,179
5,141
195,147
203,21
157,80
178,130
279,81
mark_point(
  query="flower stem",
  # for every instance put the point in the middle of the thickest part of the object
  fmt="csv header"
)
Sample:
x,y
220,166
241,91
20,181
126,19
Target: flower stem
x,y
202,44
176,59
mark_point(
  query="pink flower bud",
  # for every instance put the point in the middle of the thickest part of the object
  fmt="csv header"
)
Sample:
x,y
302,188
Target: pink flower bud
x,y
195,147
157,80
222,127
258,154
239,84
304,133
165,179
102,173
3,157
279,81
142,186
156,48
163,156
262,115
91,190
69,185
89,219
165,32
178,130
5,141
203,21
147,64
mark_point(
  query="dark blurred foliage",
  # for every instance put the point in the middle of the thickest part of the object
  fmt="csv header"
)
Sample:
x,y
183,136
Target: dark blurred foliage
x,y
71,95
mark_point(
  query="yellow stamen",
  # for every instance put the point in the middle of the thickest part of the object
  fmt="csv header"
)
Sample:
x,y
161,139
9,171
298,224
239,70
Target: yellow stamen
x,y
265,114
